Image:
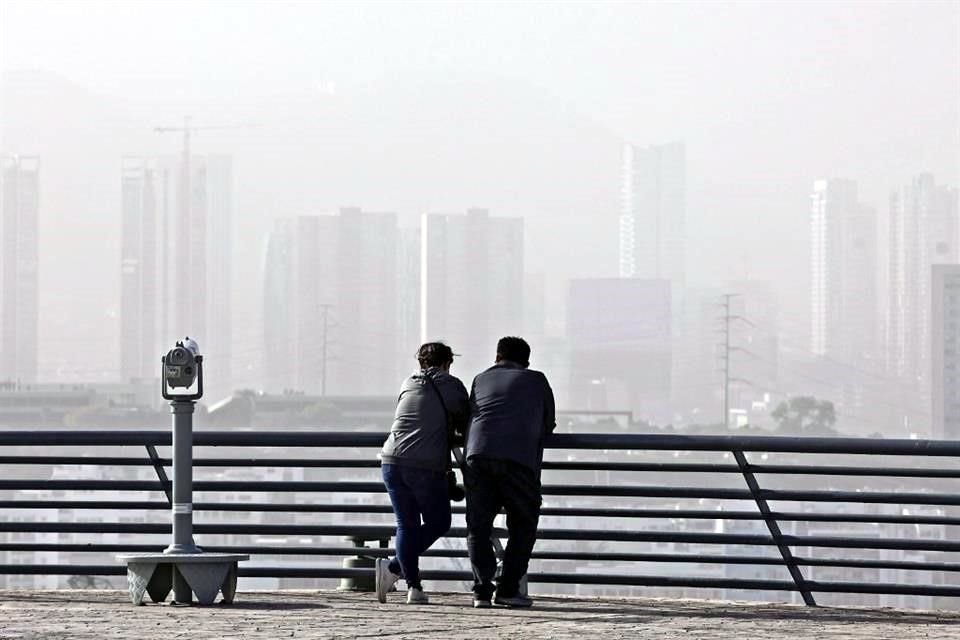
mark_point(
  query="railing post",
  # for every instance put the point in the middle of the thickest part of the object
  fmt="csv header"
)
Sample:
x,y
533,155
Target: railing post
x,y
774,527
161,473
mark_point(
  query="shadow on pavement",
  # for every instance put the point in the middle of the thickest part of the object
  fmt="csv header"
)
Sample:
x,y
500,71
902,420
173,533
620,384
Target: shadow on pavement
x,y
685,609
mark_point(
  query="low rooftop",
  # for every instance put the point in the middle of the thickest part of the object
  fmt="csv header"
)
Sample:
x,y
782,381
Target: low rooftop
x,y
82,615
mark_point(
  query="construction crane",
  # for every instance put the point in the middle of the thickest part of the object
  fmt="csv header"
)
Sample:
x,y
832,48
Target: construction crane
x,y
184,266
186,130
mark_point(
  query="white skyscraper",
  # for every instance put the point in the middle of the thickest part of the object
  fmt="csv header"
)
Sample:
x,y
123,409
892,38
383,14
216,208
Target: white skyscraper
x,y
923,232
843,276
19,283
653,212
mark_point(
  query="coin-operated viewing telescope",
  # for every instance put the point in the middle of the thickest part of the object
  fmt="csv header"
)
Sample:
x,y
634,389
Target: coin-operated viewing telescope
x,y
182,366
182,567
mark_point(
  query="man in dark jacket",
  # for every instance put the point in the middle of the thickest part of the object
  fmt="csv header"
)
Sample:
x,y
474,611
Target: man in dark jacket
x,y
414,462
512,412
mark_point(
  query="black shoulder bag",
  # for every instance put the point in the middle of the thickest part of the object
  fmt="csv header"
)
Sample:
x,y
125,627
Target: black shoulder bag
x,y
456,493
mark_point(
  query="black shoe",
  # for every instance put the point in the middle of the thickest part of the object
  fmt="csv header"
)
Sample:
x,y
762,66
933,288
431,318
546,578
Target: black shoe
x,y
481,603
518,601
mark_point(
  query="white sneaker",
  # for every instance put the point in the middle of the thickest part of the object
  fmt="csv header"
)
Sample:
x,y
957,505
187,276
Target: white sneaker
x,y
417,596
385,579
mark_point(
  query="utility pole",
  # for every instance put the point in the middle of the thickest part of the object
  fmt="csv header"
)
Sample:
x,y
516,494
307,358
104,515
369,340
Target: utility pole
x,y
727,318
726,359
323,350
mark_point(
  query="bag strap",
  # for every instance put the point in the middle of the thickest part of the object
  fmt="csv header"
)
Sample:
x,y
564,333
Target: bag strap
x,y
446,414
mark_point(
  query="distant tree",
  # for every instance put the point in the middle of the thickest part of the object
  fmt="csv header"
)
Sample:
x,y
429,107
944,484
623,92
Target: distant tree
x,y
320,413
805,415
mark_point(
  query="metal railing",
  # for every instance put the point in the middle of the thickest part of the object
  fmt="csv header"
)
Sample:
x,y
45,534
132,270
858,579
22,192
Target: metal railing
x,y
930,568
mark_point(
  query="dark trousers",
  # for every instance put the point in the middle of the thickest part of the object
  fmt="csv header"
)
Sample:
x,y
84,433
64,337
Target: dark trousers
x,y
493,485
416,494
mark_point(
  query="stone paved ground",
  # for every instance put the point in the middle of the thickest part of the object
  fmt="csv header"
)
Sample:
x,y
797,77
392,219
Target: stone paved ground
x,y
105,615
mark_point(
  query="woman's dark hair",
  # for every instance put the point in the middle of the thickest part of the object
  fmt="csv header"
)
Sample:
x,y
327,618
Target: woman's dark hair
x,y
515,350
434,354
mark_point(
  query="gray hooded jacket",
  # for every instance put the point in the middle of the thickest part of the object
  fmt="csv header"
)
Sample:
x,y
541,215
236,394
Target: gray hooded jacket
x,y
418,436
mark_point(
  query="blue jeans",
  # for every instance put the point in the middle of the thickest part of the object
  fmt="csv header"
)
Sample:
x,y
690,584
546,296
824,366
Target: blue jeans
x,y
421,503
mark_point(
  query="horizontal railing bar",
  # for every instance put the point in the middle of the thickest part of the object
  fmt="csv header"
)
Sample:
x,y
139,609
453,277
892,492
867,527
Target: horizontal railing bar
x,y
555,578
459,576
197,462
607,441
62,570
884,588
296,550
871,497
375,532
855,563
833,470
254,507
358,487
686,558
584,465
566,490
693,514
372,463
863,518
903,544
89,460
368,508
653,467
363,487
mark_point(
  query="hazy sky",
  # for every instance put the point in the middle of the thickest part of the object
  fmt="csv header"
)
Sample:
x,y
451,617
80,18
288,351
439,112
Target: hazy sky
x,y
649,71
768,96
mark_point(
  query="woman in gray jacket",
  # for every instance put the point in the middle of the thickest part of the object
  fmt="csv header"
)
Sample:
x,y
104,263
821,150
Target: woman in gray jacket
x,y
414,463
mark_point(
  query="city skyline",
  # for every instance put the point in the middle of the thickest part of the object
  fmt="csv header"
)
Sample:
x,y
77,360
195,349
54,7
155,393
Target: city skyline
x,y
924,213
708,149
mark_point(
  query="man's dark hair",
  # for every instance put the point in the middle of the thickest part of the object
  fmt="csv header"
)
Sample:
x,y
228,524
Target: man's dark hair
x,y
434,354
514,349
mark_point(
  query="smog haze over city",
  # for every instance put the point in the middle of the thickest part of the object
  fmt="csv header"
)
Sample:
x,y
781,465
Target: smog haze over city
x,y
526,110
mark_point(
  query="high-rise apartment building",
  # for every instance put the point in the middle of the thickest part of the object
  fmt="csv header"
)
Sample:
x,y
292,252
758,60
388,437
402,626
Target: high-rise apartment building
x,y
653,212
19,283
923,231
332,313
471,291
843,274
945,351
176,262
214,198
140,324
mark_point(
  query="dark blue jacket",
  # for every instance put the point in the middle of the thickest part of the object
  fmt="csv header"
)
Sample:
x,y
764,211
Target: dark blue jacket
x,y
512,411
